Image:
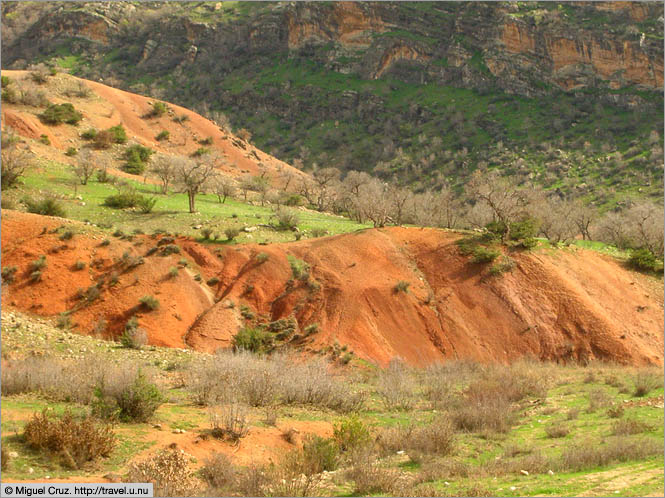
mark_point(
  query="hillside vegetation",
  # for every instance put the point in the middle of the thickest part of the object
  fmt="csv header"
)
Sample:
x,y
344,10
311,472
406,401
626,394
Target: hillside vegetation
x,y
567,95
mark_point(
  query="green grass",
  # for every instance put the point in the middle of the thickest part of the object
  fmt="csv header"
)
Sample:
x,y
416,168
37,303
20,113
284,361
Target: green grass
x,y
171,212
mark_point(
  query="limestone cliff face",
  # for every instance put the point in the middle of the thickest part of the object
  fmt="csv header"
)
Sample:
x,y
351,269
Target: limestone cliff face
x,y
525,48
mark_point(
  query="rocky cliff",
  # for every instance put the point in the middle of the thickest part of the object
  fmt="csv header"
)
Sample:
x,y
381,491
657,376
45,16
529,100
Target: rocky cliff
x,y
367,79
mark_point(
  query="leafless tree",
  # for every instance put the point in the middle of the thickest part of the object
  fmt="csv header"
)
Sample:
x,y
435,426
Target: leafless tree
x,y
326,180
398,198
583,216
646,226
192,176
505,200
87,164
165,168
555,219
374,202
224,187
15,160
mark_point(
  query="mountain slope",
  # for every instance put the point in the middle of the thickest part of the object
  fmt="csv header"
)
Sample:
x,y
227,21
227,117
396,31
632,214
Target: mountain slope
x,y
420,92
105,106
567,305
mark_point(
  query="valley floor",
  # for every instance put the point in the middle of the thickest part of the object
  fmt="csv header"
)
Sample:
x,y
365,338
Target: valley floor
x,y
567,430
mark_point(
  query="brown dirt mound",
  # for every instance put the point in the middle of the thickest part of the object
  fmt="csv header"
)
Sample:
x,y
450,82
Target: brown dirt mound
x,y
109,106
566,305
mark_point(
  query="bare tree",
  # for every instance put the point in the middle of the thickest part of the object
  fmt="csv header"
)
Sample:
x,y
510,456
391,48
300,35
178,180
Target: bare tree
x,y
15,161
224,187
165,168
583,216
646,226
326,179
192,176
555,217
374,201
398,198
448,208
506,201
87,163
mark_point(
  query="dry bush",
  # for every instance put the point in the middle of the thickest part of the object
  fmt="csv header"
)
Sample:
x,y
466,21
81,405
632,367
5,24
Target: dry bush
x,y
58,379
589,454
557,430
572,414
76,441
646,381
447,469
615,411
218,472
598,398
368,476
229,422
484,411
629,427
437,438
253,481
396,386
168,471
265,381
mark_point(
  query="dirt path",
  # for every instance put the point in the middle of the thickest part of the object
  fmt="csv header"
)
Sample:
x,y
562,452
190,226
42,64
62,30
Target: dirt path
x,y
616,481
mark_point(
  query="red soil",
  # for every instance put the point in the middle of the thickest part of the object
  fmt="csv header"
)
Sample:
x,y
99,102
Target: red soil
x,y
109,106
555,305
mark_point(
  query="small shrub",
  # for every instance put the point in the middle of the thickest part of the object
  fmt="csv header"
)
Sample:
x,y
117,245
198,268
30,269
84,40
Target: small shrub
x,y
615,411
299,268
201,151
136,156
206,232
169,249
71,151
79,265
149,302
46,207
129,397
181,119
589,454
163,135
402,286
124,199
645,382
133,337
67,235
287,219
173,272
61,113
89,134
218,472
168,471
598,398
118,134
158,109
64,321
256,340
75,441
206,141
8,273
351,433
644,260
312,328
39,263
103,140
146,204
231,233
212,281
483,254
105,243
629,427
262,257
229,422
557,430
45,139
36,276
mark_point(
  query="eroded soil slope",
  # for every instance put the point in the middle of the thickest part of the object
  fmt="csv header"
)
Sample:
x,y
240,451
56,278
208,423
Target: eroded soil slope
x,y
555,304
107,106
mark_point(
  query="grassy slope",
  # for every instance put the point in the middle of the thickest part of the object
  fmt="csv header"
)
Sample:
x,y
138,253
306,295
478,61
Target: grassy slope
x,y
570,391
171,212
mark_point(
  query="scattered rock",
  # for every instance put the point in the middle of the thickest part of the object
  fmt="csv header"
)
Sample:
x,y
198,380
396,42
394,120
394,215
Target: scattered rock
x,y
550,472
157,426
13,454
31,470
524,472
